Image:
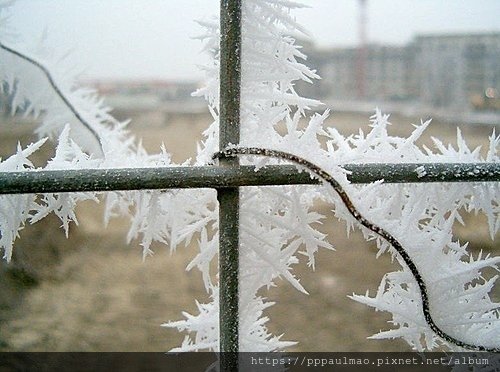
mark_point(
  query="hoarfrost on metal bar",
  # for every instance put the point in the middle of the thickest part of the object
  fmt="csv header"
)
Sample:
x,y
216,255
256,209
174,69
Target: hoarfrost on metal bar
x,y
278,224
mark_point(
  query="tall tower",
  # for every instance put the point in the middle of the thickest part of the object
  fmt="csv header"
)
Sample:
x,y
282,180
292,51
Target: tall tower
x,y
362,51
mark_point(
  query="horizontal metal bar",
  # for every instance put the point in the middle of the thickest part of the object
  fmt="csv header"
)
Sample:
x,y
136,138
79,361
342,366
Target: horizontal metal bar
x,y
220,177
427,172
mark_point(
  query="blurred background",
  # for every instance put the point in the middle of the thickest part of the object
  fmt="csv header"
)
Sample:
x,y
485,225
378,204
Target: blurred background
x,y
92,292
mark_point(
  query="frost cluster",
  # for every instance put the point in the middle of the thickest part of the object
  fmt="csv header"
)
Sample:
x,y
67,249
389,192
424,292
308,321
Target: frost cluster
x,y
277,224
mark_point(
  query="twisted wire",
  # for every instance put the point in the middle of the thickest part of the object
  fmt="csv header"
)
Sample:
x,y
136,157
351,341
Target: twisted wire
x,y
424,296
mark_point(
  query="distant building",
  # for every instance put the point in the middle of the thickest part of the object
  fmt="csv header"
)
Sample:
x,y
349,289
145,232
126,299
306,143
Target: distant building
x,y
149,95
460,72
386,76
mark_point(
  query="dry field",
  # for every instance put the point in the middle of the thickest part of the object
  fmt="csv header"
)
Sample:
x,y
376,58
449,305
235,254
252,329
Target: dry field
x,y
92,292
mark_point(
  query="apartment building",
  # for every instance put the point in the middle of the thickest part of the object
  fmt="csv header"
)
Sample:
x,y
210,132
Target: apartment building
x,y
457,71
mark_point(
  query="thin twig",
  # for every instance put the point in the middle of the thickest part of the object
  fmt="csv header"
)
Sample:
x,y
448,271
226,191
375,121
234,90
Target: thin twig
x,y
55,87
424,296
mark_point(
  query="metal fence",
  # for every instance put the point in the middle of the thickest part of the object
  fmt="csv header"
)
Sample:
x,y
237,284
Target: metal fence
x,y
228,176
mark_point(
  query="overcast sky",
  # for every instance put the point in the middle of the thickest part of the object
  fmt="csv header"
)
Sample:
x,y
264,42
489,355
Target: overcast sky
x,y
153,38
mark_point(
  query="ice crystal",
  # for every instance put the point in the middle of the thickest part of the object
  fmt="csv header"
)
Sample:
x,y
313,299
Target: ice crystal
x,y
277,224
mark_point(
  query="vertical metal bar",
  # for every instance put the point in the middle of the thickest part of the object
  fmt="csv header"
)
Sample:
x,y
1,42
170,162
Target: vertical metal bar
x,y
229,133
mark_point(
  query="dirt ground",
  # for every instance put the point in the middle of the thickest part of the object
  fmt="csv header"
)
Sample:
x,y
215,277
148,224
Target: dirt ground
x,y
92,292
